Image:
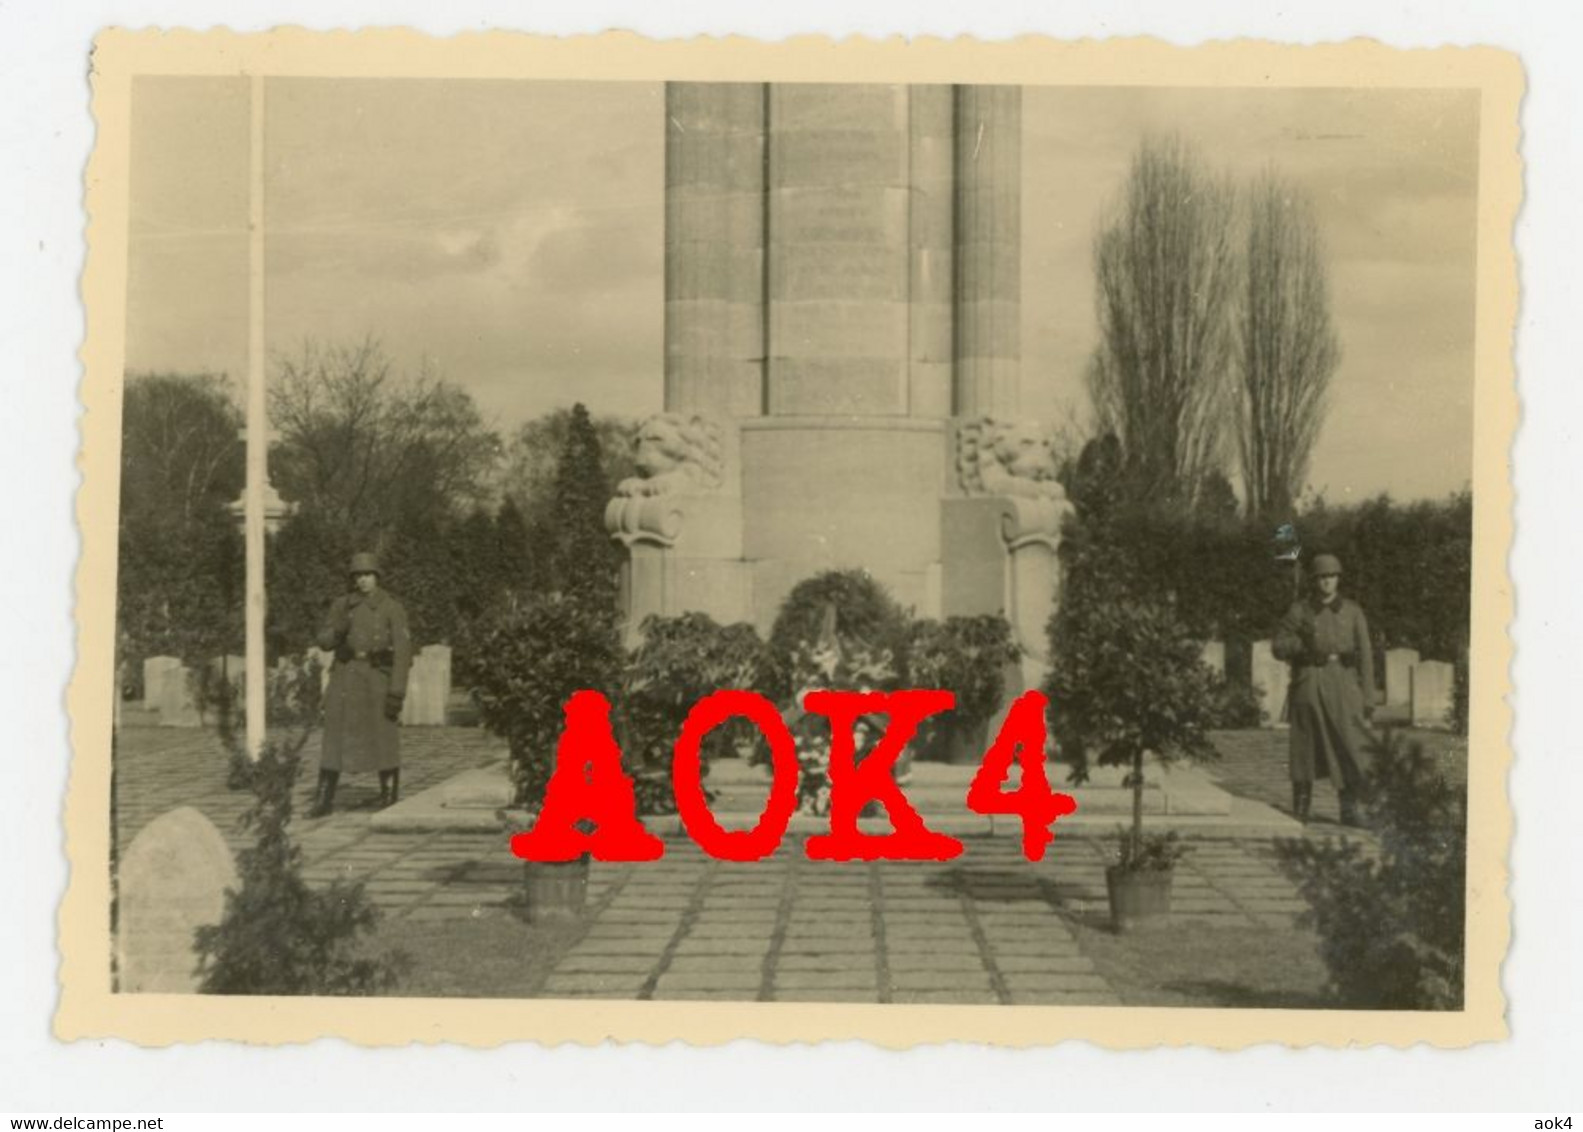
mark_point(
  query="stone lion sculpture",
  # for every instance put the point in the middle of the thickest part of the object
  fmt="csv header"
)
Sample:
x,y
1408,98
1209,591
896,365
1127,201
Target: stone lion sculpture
x,y
675,452
1007,458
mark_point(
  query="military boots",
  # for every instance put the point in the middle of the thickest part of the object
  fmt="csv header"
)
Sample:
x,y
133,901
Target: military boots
x,y
324,794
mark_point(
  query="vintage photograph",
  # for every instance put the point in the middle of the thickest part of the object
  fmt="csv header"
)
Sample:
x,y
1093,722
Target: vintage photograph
x,y
440,397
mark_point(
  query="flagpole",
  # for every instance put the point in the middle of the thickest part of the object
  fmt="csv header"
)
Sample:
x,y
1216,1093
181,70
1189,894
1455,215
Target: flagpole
x,y
257,428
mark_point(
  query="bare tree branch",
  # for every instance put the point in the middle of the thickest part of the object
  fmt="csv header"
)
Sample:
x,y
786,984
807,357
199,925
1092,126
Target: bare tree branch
x,y
1286,346
1164,271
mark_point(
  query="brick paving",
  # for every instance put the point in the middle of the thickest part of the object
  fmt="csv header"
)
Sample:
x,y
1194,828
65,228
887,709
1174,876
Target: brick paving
x,y
989,927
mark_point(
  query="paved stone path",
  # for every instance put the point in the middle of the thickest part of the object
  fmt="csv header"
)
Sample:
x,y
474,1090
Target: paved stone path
x,y
157,768
1253,764
989,927
986,928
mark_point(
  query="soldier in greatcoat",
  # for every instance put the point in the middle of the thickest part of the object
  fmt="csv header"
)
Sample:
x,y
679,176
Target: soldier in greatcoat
x,y
367,631
1325,639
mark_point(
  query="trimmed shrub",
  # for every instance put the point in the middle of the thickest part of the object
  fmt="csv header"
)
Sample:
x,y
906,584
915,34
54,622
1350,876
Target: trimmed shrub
x,y
1392,925
541,651
964,655
967,656
682,660
1232,706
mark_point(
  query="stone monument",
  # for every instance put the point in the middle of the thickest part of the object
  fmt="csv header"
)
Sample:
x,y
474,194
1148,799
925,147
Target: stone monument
x,y
1433,683
1399,664
1272,678
171,882
842,348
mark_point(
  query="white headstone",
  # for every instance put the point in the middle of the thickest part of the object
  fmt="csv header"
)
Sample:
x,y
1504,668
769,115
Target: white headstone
x,y
1214,657
1271,678
1432,684
171,882
154,670
168,689
428,687
1399,676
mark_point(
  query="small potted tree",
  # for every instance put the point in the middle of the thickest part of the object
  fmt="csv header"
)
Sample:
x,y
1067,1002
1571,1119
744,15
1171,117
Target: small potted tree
x,y
540,651
968,656
1126,683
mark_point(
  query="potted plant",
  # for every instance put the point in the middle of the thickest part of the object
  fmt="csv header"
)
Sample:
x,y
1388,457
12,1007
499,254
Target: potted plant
x,y
968,656
1127,683
540,651
1139,884
551,890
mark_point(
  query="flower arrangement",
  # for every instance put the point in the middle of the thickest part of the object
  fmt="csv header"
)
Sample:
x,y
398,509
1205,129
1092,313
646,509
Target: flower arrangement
x,y
826,664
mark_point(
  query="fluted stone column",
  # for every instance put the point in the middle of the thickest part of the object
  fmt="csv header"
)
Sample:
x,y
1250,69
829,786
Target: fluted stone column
x,y
933,267
988,249
714,248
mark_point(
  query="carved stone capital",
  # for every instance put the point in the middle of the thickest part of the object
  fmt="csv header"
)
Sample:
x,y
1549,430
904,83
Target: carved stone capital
x,y
652,519
1026,521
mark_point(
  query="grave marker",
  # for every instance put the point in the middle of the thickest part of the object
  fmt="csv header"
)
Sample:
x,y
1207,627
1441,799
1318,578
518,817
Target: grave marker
x,y
1271,677
1399,676
1431,693
172,881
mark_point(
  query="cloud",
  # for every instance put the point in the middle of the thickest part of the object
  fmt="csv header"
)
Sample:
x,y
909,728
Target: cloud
x,y
593,258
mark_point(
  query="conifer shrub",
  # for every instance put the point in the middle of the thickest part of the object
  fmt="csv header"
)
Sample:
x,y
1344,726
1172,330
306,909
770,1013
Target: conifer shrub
x,y
277,934
1392,920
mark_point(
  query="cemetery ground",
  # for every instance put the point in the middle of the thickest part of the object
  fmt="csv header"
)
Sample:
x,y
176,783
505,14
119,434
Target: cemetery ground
x,y
988,927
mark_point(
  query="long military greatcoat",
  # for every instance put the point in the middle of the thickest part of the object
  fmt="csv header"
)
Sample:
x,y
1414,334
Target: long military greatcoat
x,y
373,653
1332,667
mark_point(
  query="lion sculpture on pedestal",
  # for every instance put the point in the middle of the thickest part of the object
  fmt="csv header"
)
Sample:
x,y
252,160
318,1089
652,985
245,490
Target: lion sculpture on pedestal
x,y
1007,458
675,453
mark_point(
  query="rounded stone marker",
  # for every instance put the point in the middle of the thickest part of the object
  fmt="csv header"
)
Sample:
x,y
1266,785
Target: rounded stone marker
x,y
172,882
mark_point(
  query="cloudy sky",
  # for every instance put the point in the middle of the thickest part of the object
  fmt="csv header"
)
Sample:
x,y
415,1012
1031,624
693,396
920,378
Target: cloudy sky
x,y
511,234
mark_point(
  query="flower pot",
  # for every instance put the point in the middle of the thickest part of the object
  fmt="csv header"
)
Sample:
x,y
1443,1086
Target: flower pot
x,y
555,890
1137,894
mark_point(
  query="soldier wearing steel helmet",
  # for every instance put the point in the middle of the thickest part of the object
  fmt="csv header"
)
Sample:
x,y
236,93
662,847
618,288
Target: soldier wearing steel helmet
x,y
1325,639
367,631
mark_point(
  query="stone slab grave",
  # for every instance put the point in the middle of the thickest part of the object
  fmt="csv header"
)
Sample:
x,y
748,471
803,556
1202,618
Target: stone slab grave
x,y
428,688
1399,665
1432,684
1214,657
1181,797
1271,677
168,691
171,882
